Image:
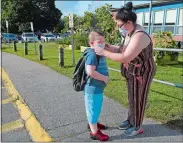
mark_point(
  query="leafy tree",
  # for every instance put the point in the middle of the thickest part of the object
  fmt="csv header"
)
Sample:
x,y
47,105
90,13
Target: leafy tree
x,y
42,13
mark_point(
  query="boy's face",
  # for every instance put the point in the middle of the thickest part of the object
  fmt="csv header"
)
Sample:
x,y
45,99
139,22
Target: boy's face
x,y
98,41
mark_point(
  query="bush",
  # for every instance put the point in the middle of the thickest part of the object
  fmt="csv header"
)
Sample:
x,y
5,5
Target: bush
x,y
80,39
65,41
164,40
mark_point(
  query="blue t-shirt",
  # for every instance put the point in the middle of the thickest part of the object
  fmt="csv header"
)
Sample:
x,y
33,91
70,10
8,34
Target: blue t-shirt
x,y
95,86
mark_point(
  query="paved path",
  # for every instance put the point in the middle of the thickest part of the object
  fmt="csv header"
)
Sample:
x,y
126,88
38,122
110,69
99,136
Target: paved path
x,y
61,111
13,129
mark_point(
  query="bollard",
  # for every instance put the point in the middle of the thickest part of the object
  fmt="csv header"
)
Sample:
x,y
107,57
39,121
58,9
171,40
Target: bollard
x,y
47,40
25,48
14,46
40,52
61,57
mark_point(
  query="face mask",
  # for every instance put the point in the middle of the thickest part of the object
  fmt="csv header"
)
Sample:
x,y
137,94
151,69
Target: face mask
x,y
122,31
101,45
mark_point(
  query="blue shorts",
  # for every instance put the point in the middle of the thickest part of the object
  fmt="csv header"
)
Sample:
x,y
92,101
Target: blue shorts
x,y
93,105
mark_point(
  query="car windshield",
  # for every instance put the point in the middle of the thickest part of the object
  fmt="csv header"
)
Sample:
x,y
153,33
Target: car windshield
x,y
49,35
29,35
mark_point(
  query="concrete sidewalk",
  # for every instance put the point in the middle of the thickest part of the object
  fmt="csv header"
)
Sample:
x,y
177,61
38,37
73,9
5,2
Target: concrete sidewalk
x,y
61,110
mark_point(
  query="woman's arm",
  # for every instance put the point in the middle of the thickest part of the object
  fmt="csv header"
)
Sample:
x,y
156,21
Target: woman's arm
x,y
112,48
138,42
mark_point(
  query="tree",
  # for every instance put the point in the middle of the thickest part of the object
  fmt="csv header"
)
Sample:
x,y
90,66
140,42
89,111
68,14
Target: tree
x,y
106,24
65,20
42,13
89,22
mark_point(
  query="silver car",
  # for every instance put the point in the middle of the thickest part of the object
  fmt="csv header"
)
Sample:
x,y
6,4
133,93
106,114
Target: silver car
x,y
48,37
29,37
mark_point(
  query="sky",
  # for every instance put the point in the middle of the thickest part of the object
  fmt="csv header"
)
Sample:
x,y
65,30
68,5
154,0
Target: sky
x,y
79,7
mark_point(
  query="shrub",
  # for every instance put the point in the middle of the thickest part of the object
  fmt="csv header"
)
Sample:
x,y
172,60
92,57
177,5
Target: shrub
x,y
164,40
80,39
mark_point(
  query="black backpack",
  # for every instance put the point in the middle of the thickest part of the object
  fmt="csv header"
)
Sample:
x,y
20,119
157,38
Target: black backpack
x,y
79,75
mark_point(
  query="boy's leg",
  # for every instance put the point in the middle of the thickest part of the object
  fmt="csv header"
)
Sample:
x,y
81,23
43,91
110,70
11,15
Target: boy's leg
x,y
93,105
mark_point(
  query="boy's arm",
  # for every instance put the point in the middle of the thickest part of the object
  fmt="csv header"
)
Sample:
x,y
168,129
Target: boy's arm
x,y
91,71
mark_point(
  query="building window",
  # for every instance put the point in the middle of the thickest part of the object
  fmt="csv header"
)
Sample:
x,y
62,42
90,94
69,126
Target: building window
x,y
158,17
170,17
139,18
146,18
180,23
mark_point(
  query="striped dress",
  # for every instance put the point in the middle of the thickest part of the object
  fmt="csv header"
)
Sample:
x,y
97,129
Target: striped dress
x,y
139,74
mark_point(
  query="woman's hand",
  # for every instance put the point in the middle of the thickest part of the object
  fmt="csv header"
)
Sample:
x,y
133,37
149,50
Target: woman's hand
x,y
99,51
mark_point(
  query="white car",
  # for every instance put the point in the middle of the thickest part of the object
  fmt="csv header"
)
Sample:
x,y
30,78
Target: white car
x,y
29,37
48,37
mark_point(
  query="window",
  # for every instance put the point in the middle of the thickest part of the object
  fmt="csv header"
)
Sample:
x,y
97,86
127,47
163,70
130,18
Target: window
x,y
180,23
158,17
139,18
180,17
146,18
170,17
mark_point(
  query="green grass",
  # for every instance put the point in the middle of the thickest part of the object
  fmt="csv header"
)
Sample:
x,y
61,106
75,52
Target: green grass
x,y
164,104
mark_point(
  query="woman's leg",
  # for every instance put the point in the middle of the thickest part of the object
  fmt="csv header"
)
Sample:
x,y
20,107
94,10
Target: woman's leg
x,y
138,87
131,111
144,85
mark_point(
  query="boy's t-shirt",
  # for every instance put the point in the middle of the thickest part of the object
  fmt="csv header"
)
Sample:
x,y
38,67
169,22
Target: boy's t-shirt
x,y
96,86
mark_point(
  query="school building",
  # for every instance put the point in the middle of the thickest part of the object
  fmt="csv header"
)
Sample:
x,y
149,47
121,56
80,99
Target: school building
x,y
166,16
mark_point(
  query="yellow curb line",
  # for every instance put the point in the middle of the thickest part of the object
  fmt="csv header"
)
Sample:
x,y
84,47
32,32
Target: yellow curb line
x,y
37,133
12,126
5,101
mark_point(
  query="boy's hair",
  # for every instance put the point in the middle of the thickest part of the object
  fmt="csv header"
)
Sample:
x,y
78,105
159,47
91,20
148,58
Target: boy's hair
x,y
94,35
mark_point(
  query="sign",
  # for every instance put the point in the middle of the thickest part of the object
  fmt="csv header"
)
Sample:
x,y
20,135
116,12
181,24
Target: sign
x,y
71,23
6,24
32,26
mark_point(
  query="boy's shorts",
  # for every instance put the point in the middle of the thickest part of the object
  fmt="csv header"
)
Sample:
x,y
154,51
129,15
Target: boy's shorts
x,y
93,105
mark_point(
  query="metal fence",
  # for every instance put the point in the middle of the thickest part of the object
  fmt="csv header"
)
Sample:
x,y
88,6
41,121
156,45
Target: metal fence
x,y
161,81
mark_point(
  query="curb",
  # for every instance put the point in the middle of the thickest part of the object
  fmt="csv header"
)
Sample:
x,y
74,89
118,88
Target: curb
x,y
34,128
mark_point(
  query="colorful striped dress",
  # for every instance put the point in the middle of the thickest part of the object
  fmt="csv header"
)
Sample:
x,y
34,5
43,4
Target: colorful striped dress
x,y
139,74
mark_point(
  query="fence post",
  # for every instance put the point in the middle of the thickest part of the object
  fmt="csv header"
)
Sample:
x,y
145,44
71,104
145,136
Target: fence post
x,y
26,48
61,56
14,46
47,40
40,52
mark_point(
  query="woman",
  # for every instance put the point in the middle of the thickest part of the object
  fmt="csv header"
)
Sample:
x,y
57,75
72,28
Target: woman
x,y
137,66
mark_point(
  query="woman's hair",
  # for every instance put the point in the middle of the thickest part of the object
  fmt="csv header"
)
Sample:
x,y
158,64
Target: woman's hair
x,y
126,14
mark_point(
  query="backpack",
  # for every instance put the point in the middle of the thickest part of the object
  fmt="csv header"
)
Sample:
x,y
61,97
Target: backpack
x,y
79,75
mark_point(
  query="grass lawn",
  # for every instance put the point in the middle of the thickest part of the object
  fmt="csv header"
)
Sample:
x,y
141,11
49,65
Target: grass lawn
x,y
164,104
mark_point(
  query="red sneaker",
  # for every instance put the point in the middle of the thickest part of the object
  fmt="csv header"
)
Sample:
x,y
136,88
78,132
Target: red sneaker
x,y
100,126
99,136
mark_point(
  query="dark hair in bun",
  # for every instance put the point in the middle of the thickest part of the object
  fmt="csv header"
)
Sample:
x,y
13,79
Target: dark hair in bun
x,y
128,6
126,14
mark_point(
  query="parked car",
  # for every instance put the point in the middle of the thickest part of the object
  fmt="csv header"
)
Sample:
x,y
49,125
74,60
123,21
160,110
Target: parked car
x,y
48,36
29,37
9,37
58,36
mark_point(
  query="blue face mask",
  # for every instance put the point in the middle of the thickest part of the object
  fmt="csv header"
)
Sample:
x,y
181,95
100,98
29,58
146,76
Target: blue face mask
x,y
122,31
101,45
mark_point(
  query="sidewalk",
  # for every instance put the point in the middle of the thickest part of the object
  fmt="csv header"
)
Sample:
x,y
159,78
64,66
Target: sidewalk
x,y
13,129
61,111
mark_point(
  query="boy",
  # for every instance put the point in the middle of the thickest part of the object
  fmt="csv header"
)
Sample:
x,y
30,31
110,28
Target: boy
x,y
97,70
